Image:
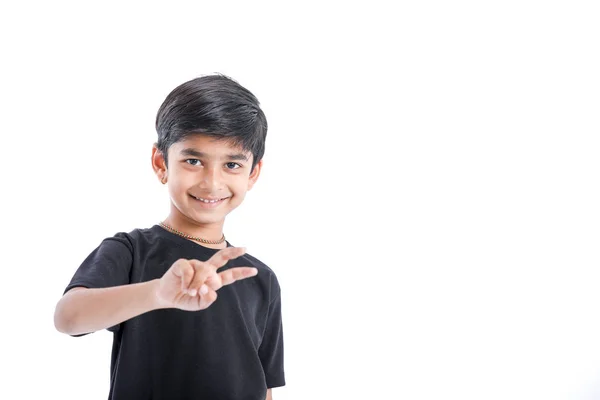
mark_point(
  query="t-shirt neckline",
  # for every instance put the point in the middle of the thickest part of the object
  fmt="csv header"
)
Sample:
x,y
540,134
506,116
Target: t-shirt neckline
x,y
172,236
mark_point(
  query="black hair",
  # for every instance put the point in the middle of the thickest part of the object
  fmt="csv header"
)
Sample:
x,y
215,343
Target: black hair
x,y
215,106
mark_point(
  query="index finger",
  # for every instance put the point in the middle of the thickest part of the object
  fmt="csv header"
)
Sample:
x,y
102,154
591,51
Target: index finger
x,y
236,274
221,257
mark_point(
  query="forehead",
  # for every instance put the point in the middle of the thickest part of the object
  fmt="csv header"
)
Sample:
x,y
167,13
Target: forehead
x,y
213,147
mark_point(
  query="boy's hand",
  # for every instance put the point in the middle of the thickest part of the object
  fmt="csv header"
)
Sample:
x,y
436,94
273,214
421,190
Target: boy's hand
x,y
192,285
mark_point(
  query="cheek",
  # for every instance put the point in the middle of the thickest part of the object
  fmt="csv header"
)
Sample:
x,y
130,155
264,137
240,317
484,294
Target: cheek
x,y
177,186
181,179
239,188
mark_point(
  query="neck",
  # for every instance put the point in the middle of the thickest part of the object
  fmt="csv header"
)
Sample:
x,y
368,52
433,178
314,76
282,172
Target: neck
x,y
208,231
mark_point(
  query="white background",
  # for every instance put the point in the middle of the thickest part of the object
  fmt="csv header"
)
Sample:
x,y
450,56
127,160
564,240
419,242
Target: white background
x,y
429,200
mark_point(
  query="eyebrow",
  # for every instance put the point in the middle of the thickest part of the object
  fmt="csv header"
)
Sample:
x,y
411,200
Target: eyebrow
x,y
195,153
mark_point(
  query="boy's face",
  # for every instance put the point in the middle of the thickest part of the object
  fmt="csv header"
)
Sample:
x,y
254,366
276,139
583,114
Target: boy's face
x,y
207,178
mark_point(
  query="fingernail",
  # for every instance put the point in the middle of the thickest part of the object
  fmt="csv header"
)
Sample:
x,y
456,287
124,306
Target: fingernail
x,y
204,289
193,292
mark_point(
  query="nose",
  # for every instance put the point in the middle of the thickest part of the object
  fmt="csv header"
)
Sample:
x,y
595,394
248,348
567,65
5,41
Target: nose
x,y
210,179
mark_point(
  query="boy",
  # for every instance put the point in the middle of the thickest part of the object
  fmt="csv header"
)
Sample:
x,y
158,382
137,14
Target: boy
x,y
156,288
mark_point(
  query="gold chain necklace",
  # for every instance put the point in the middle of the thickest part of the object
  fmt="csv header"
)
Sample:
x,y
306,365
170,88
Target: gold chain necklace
x,y
185,235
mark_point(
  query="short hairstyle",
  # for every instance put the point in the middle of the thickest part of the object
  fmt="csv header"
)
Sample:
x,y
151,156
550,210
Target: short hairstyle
x,y
215,106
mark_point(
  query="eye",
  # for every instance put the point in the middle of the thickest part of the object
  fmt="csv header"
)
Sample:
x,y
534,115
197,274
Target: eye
x,y
232,165
193,161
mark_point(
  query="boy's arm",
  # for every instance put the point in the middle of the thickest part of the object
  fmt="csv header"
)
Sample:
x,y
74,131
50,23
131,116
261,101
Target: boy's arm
x,y
269,395
110,306
189,285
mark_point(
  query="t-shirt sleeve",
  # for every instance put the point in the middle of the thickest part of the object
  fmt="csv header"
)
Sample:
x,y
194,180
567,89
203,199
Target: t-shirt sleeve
x,y
271,347
107,266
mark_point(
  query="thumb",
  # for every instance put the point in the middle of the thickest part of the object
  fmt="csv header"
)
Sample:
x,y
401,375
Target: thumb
x,y
185,272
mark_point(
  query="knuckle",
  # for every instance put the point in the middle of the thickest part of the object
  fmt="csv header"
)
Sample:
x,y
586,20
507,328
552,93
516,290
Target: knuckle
x,y
183,261
200,266
198,270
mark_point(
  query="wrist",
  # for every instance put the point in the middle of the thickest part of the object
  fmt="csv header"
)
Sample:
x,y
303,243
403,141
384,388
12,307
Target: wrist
x,y
155,301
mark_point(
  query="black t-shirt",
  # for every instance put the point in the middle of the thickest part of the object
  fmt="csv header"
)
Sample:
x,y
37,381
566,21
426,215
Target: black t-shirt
x,y
231,350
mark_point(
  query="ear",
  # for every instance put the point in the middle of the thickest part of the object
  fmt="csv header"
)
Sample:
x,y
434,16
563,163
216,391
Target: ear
x,y
254,175
158,164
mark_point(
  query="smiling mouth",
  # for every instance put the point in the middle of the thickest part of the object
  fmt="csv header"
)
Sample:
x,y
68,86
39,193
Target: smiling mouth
x,y
209,201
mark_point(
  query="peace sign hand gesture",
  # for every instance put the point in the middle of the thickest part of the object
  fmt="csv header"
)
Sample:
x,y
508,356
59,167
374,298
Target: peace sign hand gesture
x,y
192,285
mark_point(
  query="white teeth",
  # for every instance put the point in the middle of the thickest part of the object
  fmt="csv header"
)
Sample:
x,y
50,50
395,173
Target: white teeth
x,y
206,201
